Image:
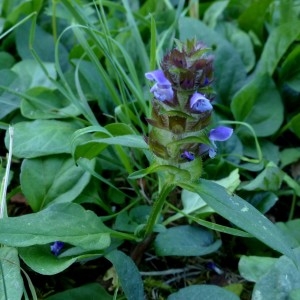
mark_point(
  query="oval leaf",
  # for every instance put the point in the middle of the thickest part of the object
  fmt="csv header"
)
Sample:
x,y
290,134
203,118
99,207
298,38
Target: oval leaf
x,y
42,137
54,179
259,104
66,222
203,292
185,241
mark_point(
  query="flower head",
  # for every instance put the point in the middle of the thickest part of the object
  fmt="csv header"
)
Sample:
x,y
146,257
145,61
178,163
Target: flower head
x,y
189,66
220,134
56,247
162,89
198,103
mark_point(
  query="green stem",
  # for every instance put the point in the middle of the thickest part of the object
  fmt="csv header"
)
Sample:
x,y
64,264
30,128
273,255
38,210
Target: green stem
x,y
157,207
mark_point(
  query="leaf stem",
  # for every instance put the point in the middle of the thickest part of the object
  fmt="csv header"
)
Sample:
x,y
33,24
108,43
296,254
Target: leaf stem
x,y
157,207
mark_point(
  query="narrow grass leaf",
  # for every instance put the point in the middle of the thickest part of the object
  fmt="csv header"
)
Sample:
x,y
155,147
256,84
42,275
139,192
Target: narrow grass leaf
x,y
11,282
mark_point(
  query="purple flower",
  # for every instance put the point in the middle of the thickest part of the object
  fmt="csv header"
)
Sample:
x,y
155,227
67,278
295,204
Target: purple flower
x,y
188,155
56,247
162,89
220,134
199,103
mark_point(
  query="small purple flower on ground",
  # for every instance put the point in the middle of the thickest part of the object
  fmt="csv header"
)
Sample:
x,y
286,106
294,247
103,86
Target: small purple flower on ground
x,y
188,155
220,134
162,89
212,266
56,247
199,103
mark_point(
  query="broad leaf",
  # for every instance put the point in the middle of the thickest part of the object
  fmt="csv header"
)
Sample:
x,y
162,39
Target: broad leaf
x,y
32,74
42,137
253,18
67,222
241,41
45,103
52,179
269,179
259,104
291,229
282,279
252,268
89,291
203,292
8,101
186,240
40,259
277,44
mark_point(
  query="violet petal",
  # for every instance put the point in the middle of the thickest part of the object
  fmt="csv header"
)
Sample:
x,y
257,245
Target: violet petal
x,y
162,89
221,133
199,103
56,247
162,94
159,77
188,155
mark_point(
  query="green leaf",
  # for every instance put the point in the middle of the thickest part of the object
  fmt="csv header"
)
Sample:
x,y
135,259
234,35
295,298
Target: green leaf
x,y
289,156
45,49
11,282
95,87
128,274
252,268
180,174
45,103
263,201
242,43
66,222
88,291
32,74
277,44
294,125
253,18
292,230
40,259
8,101
230,72
242,214
290,69
269,179
213,13
42,137
259,104
89,146
6,60
186,240
282,279
203,292
52,179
